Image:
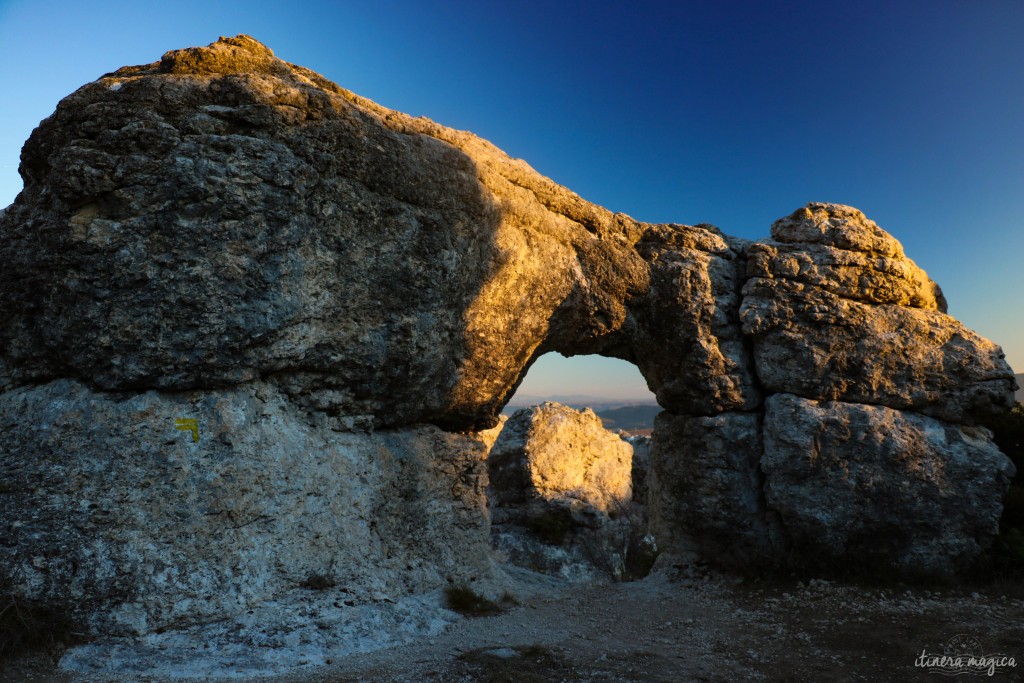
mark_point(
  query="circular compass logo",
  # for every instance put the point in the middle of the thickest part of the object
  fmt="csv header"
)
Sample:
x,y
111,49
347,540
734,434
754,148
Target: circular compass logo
x,y
963,645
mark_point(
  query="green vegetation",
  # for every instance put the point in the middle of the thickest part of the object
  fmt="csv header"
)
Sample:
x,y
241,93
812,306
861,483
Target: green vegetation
x,y
468,602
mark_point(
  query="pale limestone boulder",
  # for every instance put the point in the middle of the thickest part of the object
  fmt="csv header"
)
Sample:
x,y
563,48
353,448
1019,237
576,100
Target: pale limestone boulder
x,y
555,456
858,276
112,516
836,225
863,488
561,497
843,315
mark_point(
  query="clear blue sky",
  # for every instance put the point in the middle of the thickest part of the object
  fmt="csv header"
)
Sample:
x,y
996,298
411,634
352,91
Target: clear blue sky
x,y
732,113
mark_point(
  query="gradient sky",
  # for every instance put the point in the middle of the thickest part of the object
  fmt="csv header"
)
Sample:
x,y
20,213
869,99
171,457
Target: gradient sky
x,y
731,113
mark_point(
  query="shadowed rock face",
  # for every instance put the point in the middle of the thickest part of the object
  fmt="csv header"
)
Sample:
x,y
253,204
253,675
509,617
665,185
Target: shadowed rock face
x,y
222,221
862,485
131,526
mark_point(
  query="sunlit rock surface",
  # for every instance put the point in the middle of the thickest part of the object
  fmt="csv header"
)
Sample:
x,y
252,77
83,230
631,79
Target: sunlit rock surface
x,y
686,339
561,494
836,312
554,456
325,285
222,216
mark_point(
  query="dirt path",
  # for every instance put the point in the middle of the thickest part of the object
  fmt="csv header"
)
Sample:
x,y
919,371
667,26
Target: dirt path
x,y
706,629
674,627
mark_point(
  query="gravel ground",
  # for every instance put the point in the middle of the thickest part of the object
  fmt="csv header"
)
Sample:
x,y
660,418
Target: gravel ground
x,y
687,624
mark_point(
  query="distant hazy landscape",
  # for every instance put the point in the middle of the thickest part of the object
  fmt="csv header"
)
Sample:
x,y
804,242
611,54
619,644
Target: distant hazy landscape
x,y
630,415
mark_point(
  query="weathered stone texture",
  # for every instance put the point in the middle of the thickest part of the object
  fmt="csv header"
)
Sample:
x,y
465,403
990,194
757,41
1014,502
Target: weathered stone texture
x,y
561,494
705,487
687,340
183,229
859,486
110,512
833,320
224,235
552,456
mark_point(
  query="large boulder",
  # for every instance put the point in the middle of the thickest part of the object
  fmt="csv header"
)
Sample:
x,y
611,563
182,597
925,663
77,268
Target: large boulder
x,y
561,494
861,486
837,312
221,216
552,457
686,339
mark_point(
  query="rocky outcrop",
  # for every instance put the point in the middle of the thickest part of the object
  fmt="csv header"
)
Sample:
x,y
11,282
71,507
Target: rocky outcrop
x,y
870,486
561,494
554,457
837,312
325,285
134,525
706,487
221,216
686,339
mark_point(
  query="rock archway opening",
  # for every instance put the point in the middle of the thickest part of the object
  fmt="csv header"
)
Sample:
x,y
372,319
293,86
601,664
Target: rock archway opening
x,y
567,472
612,388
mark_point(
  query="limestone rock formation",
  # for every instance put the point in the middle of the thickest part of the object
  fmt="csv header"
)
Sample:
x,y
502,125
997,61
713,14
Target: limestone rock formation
x,y
687,340
863,484
222,216
705,478
325,285
837,312
641,465
131,525
553,456
561,494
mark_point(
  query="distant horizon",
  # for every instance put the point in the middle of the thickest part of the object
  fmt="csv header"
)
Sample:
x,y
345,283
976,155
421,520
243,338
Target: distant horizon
x,y
534,399
589,377
541,391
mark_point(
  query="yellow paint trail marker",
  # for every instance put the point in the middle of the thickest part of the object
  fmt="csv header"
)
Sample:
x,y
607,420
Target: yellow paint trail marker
x,y
188,424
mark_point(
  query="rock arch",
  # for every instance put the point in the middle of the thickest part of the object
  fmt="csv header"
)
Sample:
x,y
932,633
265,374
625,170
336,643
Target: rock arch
x,y
219,229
